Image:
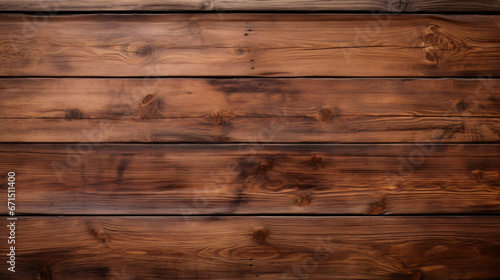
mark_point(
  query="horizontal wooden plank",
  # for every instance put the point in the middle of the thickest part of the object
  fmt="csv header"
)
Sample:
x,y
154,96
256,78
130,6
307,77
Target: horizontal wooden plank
x,y
240,110
386,248
253,5
216,127
159,98
249,110
250,45
253,179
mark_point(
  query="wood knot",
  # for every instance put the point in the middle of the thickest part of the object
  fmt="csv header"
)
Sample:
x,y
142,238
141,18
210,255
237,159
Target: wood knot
x,y
449,131
378,208
45,274
478,175
141,49
264,167
432,36
207,5
438,44
9,50
73,114
151,106
100,235
325,114
239,51
416,276
315,162
398,6
303,200
219,118
260,235
223,139
147,99
462,106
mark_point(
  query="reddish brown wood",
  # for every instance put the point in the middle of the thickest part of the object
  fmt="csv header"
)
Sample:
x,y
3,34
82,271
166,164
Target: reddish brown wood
x,y
253,179
267,45
222,6
387,248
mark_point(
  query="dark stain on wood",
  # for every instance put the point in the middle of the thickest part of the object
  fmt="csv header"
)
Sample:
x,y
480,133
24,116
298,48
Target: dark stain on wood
x,y
45,274
73,114
233,177
260,235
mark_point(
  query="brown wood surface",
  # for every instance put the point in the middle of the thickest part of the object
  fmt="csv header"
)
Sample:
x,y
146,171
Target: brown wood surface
x,y
249,144
250,45
253,5
253,179
159,98
386,248
250,110
215,128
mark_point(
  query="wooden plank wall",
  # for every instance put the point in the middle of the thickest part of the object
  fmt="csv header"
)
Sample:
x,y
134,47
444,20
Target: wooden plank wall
x,y
245,139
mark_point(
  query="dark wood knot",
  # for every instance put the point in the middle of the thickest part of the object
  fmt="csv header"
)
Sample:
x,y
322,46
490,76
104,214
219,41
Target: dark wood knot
x,y
260,235
222,139
146,100
438,44
239,51
141,49
378,208
398,6
303,200
264,167
151,106
478,175
462,106
315,162
99,235
45,274
416,276
219,118
73,114
325,114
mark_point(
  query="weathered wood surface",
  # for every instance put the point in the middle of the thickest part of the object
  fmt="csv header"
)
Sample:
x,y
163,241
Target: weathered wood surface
x,y
253,5
158,98
250,45
253,179
388,248
218,129
249,110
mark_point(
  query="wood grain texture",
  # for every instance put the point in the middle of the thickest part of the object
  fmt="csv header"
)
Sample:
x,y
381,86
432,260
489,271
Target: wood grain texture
x,y
249,110
255,110
386,248
253,179
216,128
253,5
159,98
250,45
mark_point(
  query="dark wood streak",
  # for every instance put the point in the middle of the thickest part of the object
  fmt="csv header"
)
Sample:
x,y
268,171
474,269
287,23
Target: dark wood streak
x,y
215,128
250,110
288,45
323,99
388,248
254,179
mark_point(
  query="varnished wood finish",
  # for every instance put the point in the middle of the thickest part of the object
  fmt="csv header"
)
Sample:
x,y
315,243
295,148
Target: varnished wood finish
x,y
251,142
390,248
216,128
159,98
250,110
254,5
254,179
250,45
